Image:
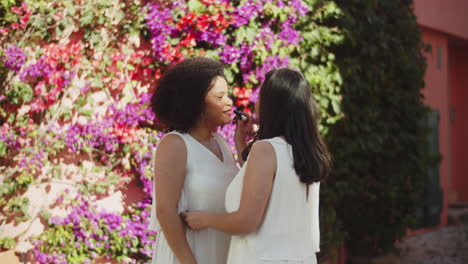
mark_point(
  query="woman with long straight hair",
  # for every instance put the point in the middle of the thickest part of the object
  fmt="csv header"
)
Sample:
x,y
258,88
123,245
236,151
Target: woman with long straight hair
x,y
273,202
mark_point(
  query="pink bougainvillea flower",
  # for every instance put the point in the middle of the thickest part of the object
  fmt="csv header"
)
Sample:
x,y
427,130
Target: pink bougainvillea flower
x,y
4,31
24,6
58,16
40,88
23,25
15,26
24,19
38,105
59,53
17,10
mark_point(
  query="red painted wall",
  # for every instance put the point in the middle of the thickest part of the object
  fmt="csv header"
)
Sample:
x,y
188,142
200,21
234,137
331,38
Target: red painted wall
x,y
459,103
437,96
449,16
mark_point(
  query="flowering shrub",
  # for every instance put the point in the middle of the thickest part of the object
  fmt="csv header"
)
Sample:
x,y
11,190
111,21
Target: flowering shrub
x,y
76,78
123,237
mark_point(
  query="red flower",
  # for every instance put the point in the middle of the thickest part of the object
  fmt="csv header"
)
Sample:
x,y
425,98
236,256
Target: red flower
x,y
189,41
242,96
127,134
10,108
207,2
157,74
56,78
15,26
242,102
203,22
146,72
146,61
242,92
186,20
172,54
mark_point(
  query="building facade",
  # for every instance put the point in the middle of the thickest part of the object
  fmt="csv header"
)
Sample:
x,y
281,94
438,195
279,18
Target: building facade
x,y
444,26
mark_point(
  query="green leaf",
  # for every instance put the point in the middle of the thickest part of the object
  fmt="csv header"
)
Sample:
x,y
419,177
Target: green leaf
x,y
81,101
97,82
87,18
196,6
3,148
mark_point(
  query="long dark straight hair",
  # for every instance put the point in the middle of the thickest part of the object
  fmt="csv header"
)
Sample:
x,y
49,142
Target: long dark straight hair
x,y
288,109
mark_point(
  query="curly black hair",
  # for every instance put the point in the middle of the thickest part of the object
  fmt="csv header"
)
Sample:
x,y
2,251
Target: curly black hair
x,y
179,98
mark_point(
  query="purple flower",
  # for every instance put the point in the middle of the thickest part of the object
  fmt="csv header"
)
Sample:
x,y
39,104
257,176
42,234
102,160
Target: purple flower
x,y
266,36
94,135
246,12
38,69
158,22
289,34
300,7
270,63
255,93
14,58
230,54
134,114
218,39
246,61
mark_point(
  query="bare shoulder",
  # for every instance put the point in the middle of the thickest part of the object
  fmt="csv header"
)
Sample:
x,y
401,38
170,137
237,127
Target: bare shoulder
x,y
263,151
172,145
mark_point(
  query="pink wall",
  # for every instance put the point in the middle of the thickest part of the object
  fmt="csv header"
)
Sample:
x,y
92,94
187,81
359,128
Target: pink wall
x,y
449,16
437,96
459,103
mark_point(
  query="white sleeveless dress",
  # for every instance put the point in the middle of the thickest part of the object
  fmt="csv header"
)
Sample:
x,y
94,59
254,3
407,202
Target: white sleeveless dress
x,y
204,189
290,232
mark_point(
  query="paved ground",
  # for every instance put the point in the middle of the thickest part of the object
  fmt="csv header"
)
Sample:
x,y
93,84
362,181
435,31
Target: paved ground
x,y
448,245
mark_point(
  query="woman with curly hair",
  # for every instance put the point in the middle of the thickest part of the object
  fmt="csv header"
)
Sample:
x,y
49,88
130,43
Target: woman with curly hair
x,y
193,164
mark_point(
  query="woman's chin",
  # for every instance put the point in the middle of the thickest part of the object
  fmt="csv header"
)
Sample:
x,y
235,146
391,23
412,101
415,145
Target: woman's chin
x,y
225,121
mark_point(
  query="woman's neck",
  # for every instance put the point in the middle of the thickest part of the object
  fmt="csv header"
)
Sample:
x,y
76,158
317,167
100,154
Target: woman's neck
x,y
202,132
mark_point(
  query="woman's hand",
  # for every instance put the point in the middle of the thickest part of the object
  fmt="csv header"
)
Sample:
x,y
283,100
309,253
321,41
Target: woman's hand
x,y
244,129
195,220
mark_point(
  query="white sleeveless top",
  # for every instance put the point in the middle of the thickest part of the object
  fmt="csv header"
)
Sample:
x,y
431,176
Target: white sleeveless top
x,y
290,230
204,189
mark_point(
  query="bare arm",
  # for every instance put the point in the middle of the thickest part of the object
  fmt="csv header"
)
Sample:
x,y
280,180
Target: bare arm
x,y
256,192
169,177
